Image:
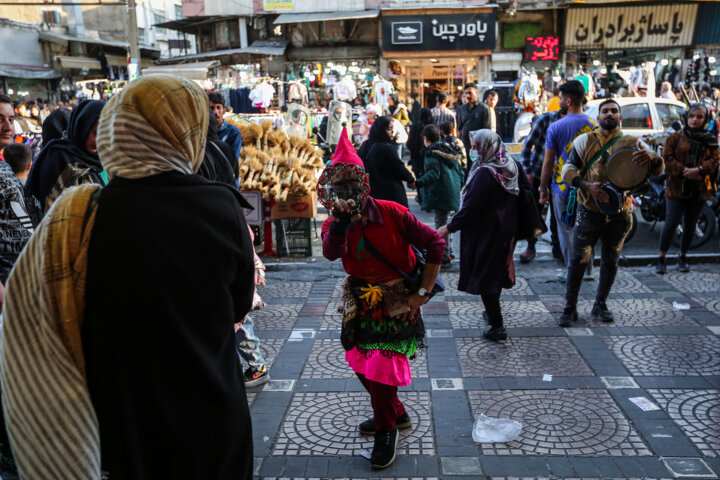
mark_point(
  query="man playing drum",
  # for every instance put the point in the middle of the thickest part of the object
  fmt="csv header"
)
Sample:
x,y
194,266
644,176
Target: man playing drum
x,y
603,210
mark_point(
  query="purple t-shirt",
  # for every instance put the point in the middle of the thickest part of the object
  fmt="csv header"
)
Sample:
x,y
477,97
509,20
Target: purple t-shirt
x,y
560,136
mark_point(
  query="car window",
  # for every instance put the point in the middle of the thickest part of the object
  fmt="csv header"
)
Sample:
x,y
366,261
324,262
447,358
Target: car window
x,y
669,113
636,115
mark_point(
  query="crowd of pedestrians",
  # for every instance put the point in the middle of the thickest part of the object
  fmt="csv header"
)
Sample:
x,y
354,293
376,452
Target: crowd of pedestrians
x,y
134,274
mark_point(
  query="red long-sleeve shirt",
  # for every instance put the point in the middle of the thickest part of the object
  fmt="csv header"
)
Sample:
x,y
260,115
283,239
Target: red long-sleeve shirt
x,y
391,228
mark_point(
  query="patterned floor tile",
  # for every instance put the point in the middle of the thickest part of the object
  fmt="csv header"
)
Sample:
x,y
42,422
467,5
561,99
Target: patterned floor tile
x,y
697,413
327,360
285,289
521,357
693,282
625,282
528,313
327,424
560,422
710,301
331,322
667,355
276,317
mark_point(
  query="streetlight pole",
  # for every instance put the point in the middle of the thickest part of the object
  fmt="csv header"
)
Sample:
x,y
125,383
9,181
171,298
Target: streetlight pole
x,y
134,65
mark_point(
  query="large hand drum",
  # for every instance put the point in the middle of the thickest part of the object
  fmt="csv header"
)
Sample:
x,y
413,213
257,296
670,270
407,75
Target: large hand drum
x,y
622,172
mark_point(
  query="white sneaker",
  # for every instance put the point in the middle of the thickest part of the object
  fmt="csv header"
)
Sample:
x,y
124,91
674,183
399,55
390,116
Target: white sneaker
x,y
562,276
589,275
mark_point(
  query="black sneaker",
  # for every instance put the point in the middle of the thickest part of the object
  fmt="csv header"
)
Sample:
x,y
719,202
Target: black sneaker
x,y
383,453
446,264
255,377
569,316
368,426
683,264
600,312
661,268
495,334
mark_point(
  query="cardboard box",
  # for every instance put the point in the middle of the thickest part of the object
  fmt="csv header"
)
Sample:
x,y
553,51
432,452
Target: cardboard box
x,y
296,206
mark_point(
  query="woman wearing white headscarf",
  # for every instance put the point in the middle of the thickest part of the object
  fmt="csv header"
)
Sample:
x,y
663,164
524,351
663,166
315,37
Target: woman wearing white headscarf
x,y
487,221
118,350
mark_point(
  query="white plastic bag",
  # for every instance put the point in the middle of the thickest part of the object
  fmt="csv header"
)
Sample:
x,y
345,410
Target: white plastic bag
x,y
492,430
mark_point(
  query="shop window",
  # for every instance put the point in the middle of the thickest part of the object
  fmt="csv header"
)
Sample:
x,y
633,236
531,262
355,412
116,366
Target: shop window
x,y
636,116
227,34
668,113
158,17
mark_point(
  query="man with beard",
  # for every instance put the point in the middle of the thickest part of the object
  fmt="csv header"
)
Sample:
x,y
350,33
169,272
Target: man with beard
x,y
586,170
227,133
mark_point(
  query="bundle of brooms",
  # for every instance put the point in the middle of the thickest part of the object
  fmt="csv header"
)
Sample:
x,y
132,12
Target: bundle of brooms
x,y
276,164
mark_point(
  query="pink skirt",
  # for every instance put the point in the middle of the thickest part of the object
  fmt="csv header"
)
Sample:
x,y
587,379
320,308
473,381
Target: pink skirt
x,y
389,368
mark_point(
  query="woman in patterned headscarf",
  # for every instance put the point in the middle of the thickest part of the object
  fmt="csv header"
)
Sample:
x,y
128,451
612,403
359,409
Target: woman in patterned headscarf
x,y
127,363
487,221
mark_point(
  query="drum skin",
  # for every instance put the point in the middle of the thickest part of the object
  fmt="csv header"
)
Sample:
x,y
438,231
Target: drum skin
x,y
623,172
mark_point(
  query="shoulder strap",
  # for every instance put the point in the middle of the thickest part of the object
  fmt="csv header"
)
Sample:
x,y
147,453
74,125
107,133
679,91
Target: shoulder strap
x,y
371,248
599,154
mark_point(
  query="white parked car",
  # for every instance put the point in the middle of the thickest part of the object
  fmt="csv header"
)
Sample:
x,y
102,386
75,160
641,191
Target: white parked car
x,y
643,115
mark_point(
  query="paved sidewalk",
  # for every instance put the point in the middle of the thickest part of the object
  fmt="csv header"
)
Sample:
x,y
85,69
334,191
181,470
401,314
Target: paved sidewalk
x,y
570,388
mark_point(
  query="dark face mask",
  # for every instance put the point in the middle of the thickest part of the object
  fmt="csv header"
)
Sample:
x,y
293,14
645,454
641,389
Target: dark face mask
x,y
349,190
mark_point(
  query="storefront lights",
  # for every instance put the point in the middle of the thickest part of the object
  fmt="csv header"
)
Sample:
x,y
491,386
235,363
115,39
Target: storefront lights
x,y
596,63
603,71
696,56
10,91
664,61
711,59
354,69
713,72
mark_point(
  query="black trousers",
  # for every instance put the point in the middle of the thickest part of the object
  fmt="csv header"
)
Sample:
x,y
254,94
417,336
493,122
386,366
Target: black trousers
x,y
492,307
675,210
589,228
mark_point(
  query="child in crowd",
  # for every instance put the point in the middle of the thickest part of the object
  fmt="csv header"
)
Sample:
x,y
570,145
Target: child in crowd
x,y
248,344
19,157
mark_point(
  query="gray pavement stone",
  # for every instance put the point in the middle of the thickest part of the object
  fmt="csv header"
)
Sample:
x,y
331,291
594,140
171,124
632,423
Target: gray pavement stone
x,y
689,468
575,426
461,466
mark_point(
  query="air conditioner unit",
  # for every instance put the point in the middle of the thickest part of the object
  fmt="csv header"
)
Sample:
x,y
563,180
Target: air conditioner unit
x,y
51,17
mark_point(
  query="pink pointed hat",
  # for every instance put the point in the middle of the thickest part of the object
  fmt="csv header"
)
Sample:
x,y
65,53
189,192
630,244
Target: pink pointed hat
x,y
345,152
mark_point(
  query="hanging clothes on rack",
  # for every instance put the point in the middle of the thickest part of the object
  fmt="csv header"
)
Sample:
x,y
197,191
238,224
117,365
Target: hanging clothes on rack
x,y
345,90
297,92
382,90
262,95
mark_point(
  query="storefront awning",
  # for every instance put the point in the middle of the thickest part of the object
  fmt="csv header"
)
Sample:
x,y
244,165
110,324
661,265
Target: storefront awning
x,y
81,63
191,71
27,71
260,47
63,39
116,60
325,16
267,47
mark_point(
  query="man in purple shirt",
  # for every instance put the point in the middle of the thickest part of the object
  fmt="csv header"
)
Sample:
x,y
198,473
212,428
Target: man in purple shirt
x,y
558,143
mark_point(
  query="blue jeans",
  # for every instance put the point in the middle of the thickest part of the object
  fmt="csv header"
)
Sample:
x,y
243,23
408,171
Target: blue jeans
x,y
248,345
564,231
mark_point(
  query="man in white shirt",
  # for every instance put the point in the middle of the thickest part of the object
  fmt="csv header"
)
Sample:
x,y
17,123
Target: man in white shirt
x,y
666,91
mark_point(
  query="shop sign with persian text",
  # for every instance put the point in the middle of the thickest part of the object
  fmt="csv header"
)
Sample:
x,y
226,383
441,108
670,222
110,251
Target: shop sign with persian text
x,y
278,5
643,26
542,49
474,31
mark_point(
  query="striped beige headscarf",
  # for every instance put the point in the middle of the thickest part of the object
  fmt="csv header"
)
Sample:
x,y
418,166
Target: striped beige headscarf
x,y
156,124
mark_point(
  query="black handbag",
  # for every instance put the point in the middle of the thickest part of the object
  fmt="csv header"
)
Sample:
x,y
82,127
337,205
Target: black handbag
x,y
530,222
412,280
